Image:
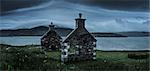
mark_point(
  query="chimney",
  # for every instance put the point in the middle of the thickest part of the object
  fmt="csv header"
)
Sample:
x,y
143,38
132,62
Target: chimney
x,y
80,22
51,26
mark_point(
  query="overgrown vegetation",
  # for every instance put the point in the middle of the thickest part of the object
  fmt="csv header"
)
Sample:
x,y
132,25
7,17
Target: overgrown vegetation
x,y
138,55
33,58
25,58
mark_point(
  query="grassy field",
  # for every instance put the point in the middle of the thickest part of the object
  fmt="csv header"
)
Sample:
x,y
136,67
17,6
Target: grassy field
x,y
106,61
32,58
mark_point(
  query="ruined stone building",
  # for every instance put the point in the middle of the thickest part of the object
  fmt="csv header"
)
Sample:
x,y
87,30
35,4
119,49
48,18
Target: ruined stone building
x,y
51,40
79,44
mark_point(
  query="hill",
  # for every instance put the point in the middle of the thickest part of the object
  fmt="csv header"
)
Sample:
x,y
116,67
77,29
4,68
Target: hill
x,y
36,31
40,30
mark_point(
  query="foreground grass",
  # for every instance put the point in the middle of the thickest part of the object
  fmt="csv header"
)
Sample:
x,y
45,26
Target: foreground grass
x,y
107,61
32,58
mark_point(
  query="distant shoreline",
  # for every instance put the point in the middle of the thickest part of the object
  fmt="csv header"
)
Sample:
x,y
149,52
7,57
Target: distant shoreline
x,y
40,30
61,36
65,36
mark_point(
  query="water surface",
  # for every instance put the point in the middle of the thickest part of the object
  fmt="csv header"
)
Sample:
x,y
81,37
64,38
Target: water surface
x,y
103,43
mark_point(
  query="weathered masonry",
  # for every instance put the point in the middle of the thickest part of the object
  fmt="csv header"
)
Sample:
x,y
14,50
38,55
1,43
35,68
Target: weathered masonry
x,y
79,44
51,40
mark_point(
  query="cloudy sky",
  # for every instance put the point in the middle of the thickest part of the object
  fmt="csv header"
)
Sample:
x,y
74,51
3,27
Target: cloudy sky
x,y
101,15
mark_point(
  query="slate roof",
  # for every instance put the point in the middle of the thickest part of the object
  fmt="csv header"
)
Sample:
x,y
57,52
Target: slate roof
x,y
78,32
51,31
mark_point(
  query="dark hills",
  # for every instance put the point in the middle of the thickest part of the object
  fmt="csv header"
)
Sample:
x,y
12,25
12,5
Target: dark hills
x,y
36,31
40,30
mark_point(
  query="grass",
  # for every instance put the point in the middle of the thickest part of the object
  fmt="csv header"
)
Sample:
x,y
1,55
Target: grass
x,y
106,61
40,60
121,61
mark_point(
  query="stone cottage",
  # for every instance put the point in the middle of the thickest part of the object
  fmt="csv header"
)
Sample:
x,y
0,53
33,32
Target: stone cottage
x,y
79,44
51,40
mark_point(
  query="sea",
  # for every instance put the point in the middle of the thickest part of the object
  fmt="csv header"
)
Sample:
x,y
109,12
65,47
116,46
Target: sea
x,y
103,43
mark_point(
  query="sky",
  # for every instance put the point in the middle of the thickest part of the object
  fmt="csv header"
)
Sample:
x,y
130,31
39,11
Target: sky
x,y
101,15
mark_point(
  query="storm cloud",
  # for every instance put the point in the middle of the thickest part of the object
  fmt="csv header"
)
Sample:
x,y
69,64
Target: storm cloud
x,y
63,13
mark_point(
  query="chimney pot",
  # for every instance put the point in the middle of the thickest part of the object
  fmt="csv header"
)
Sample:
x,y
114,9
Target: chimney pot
x,y
80,22
80,15
51,26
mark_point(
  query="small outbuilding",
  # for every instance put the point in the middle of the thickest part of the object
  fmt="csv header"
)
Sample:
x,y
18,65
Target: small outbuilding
x,y
51,40
79,44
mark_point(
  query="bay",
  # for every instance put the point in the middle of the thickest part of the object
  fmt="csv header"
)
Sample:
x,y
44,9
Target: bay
x,y
103,43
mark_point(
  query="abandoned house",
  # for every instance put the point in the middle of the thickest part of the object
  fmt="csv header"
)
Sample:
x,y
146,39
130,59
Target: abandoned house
x,y
51,40
79,44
